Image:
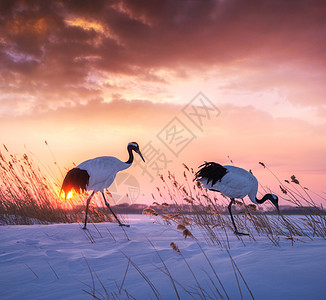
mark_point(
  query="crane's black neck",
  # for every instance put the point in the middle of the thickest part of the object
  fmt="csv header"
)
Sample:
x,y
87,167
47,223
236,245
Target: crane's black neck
x,y
269,197
131,156
262,200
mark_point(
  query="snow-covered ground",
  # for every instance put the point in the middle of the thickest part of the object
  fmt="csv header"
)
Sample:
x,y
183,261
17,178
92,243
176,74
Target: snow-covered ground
x,y
61,262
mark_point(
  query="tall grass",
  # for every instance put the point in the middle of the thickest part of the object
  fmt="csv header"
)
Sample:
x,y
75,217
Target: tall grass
x,y
27,196
198,206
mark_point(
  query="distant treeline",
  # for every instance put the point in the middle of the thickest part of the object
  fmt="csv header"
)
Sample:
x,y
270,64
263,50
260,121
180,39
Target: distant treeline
x,y
126,208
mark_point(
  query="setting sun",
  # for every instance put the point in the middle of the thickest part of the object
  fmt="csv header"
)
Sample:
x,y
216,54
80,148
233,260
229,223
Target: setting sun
x,y
69,195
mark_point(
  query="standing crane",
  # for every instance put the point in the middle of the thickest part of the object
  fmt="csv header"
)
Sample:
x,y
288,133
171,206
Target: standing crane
x,y
232,182
96,175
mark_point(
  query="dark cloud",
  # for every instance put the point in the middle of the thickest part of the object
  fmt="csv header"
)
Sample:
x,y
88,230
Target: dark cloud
x,y
46,55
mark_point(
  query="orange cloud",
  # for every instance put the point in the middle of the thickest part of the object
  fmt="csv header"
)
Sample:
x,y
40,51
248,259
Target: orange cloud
x,y
85,24
52,48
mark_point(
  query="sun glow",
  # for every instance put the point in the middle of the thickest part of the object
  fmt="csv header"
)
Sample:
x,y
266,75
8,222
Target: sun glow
x,y
69,195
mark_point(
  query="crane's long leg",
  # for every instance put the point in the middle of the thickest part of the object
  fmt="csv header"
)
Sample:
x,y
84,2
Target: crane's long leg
x,y
235,227
87,204
109,207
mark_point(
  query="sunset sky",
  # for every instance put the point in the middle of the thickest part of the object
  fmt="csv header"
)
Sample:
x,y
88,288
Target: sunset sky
x,y
90,76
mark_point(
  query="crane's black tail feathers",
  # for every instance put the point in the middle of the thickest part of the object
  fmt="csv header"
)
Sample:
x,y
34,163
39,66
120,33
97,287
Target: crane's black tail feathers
x,y
211,171
76,179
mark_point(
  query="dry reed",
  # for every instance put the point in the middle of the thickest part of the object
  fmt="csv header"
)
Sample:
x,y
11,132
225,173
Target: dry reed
x,y
208,210
27,196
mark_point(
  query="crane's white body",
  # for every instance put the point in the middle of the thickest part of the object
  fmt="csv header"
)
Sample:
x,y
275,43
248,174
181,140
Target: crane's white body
x,y
102,171
236,183
233,182
96,175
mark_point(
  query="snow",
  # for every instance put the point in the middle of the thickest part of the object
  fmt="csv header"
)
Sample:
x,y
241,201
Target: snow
x,y
53,261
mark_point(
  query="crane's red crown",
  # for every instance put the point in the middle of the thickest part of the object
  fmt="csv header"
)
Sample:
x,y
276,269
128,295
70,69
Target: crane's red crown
x,y
133,144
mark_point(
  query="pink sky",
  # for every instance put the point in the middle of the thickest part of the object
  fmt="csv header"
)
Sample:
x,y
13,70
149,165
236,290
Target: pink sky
x,y
91,76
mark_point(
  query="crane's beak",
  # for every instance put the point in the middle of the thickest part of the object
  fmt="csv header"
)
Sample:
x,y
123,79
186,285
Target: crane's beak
x,y
141,155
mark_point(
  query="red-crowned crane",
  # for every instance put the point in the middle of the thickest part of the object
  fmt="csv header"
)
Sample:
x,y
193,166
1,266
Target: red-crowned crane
x,y
96,175
232,182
